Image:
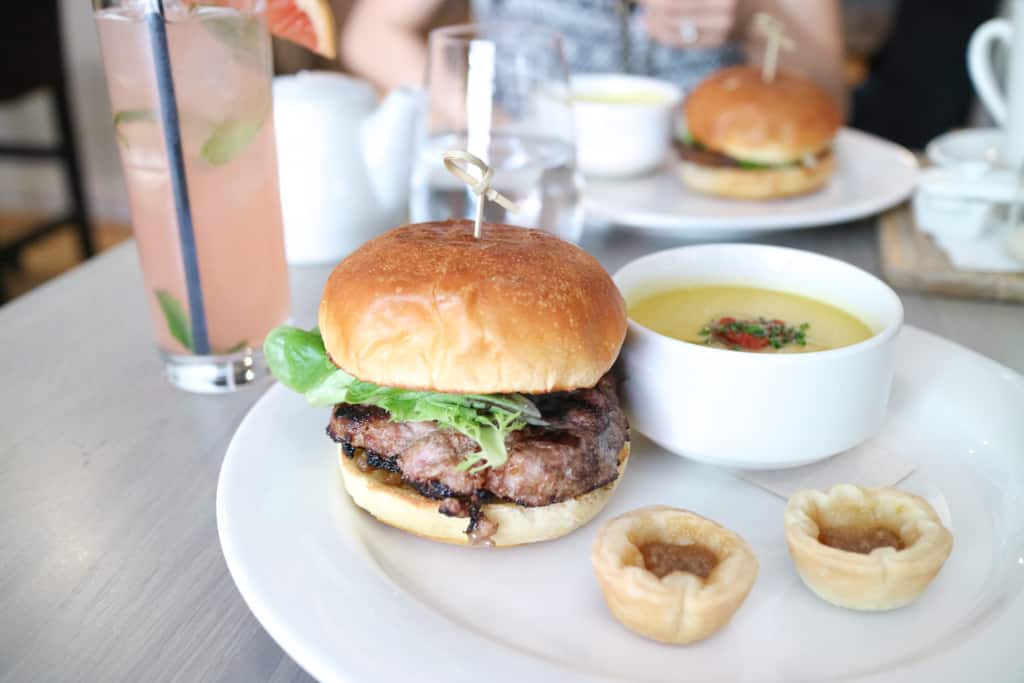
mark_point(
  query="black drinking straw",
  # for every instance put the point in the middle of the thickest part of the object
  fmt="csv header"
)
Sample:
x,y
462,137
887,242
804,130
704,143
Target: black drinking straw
x,y
172,140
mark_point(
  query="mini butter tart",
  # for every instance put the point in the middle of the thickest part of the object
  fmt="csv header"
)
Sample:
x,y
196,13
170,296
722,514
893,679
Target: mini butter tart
x,y
865,549
670,574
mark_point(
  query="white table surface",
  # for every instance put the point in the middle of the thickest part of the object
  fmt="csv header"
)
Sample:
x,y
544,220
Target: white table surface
x,y
110,567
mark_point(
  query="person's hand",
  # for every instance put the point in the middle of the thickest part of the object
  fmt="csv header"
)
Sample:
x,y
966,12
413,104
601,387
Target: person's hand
x,y
690,23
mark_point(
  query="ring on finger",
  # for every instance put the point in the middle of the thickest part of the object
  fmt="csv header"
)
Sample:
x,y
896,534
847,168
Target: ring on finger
x,y
688,32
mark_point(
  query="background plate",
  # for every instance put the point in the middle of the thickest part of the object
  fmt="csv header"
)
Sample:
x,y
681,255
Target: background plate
x,y
871,175
353,600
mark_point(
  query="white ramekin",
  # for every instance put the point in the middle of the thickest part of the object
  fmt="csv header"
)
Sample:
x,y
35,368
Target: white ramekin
x,y
622,139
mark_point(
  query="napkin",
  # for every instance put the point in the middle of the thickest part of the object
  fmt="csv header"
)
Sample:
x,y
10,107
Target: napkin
x,y
869,465
965,209
989,252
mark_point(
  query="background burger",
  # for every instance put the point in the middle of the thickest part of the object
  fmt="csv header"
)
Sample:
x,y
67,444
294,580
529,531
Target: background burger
x,y
756,139
469,379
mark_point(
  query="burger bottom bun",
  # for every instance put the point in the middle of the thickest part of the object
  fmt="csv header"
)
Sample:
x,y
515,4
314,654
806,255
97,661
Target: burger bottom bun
x,y
404,508
756,183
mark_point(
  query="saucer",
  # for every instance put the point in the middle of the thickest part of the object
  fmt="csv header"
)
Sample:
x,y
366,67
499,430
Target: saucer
x,y
966,145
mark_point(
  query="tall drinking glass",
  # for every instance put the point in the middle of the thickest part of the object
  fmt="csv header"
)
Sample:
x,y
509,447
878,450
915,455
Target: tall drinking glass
x,y
502,93
214,288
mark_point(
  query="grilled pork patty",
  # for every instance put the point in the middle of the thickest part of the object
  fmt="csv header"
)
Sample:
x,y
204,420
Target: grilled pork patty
x,y
575,453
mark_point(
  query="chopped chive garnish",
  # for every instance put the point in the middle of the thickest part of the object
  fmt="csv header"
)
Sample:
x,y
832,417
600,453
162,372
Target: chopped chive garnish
x,y
753,334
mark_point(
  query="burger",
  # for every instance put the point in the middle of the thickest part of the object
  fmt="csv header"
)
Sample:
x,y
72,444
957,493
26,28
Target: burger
x,y
469,379
749,138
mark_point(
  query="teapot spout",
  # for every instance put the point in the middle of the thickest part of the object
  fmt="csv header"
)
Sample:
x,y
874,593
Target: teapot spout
x,y
387,143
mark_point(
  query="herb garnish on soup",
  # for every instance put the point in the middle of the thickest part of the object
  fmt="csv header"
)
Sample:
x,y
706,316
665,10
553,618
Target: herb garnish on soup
x,y
753,334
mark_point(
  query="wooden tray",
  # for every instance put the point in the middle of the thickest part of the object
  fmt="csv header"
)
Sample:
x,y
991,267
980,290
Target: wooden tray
x,y
910,260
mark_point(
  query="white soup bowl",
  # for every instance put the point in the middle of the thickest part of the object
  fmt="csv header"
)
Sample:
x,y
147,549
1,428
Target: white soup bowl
x,y
758,410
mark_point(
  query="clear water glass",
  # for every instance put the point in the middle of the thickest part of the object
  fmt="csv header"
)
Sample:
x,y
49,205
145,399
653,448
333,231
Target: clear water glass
x,y
502,93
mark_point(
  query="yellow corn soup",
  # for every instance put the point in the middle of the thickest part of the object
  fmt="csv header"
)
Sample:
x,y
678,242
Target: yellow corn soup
x,y
748,319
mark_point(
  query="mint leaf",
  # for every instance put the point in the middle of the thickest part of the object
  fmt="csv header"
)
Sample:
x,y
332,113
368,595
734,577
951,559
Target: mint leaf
x,y
242,34
133,116
224,143
228,139
177,320
130,116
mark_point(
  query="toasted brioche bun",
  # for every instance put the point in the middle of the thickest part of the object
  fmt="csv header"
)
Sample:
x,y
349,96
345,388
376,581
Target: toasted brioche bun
x,y
737,113
429,307
404,508
756,183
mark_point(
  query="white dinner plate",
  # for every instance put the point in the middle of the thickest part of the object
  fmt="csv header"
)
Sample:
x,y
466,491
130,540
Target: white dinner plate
x,y
871,175
352,600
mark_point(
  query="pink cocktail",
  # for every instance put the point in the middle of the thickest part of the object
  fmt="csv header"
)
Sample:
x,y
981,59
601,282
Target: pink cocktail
x,y
221,64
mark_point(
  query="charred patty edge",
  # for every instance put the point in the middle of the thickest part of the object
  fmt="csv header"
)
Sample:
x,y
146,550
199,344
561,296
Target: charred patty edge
x,y
435,490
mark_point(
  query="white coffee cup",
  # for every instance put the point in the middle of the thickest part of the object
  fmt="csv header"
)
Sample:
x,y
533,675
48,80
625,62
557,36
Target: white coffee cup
x,y
1006,105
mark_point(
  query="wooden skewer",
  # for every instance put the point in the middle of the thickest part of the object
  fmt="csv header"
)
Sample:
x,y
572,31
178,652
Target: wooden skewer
x,y
480,187
774,32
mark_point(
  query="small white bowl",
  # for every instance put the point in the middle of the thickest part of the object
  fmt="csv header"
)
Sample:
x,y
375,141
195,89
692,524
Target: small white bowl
x,y
622,138
758,410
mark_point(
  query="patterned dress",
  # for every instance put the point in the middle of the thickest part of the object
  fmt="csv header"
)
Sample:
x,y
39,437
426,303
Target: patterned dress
x,y
609,36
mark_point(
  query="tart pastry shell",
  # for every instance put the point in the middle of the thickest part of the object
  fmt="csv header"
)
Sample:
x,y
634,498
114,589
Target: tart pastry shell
x,y
679,607
885,578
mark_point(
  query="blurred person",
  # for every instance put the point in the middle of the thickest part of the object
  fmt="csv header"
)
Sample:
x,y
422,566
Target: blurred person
x,y
677,40
917,86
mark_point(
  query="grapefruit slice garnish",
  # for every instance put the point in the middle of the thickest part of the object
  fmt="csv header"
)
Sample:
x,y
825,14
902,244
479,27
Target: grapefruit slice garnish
x,y
309,23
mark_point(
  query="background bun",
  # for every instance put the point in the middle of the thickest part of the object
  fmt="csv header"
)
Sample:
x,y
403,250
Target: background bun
x,y
736,113
429,307
756,183
404,508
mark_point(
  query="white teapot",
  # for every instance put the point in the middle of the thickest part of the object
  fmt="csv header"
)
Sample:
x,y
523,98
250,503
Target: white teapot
x,y
344,162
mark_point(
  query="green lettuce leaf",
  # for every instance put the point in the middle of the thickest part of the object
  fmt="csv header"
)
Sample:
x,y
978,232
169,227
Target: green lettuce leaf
x,y
299,361
297,358
757,164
